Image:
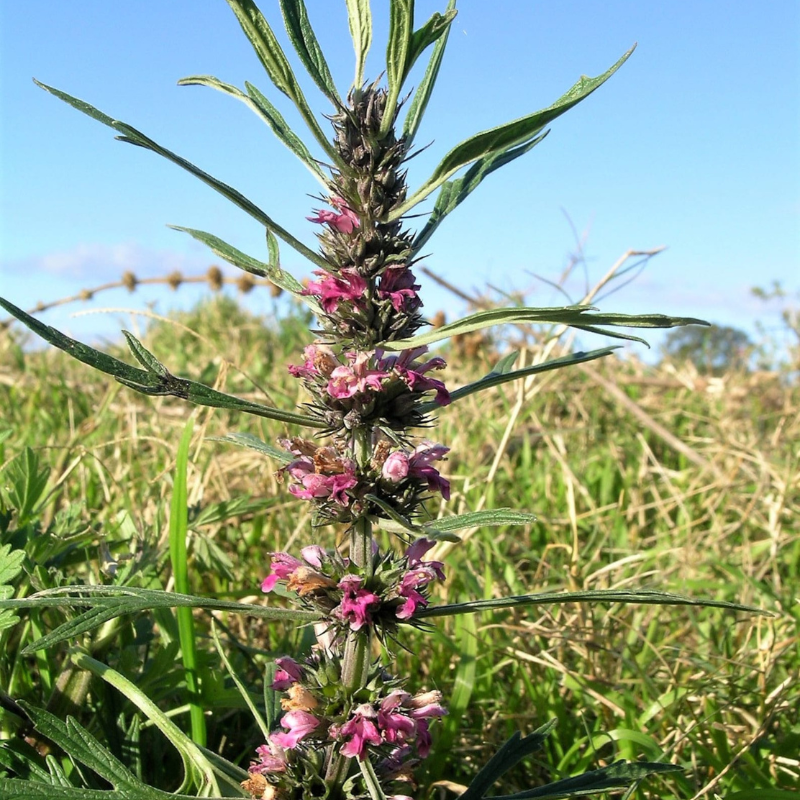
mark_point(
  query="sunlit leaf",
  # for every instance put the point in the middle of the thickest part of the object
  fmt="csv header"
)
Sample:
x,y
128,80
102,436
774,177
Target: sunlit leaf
x,y
359,17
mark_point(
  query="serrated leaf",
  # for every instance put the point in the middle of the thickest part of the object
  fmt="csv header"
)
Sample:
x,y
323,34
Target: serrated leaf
x,y
301,34
150,383
454,192
25,483
615,776
132,136
277,66
641,596
575,316
272,271
10,563
254,443
267,112
419,102
508,756
359,17
498,378
480,519
108,602
499,139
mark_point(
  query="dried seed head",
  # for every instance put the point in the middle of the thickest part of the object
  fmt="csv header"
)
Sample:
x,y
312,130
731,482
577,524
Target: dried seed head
x,y
174,280
214,277
129,281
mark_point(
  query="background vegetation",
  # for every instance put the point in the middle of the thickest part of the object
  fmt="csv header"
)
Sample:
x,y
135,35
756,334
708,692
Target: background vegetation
x,y
640,476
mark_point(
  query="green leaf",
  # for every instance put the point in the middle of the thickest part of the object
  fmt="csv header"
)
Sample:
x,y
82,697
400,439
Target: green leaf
x,y
371,780
505,364
26,483
507,757
615,776
763,794
277,66
480,519
268,113
132,136
580,317
401,28
254,443
272,271
359,17
109,602
495,378
642,596
144,356
152,383
501,138
10,566
434,29
304,41
454,192
419,102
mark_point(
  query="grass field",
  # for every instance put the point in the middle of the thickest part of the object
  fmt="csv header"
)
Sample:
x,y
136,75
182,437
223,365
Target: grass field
x,y
640,477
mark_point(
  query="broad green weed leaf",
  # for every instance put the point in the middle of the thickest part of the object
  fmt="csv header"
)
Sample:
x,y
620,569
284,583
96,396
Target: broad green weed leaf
x,y
359,17
581,317
499,139
419,102
267,112
509,755
642,596
149,382
10,566
304,41
132,136
615,776
25,483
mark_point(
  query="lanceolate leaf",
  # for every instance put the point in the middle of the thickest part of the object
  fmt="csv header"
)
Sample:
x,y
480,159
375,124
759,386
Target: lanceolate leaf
x,y
360,19
298,26
436,27
615,776
274,61
507,757
499,139
574,316
480,519
153,382
261,106
642,596
109,602
401,27
497,378
419,102
454,192
132,136
254,443
278,276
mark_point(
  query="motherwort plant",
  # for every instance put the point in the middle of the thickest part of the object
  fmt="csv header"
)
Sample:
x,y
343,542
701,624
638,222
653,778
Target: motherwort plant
x,y
347,726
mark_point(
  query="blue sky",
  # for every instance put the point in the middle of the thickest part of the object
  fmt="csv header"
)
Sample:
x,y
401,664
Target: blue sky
x,y
693,144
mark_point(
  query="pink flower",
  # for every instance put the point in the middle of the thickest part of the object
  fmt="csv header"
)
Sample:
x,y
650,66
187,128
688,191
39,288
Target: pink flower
x,y
420,467
395,468
418,549
348,285
271,759
397,284
298,725
345,222
413,373
281,567
313,484
288,672
395,727
348,381
356,603
362,732
424,740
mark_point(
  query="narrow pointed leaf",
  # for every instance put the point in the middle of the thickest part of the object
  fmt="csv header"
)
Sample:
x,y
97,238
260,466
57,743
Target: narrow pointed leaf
x,y
144,356
360,19
151,383
454,192
575,316
504,136
497,378
272,271
481,519
304,41
419,102
401,28
132,136
267,112
507,757
505,364
615,776
254,443
277,66
642,596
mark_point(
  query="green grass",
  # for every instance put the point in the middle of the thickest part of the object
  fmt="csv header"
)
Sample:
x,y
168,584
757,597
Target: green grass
x,y
618,507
